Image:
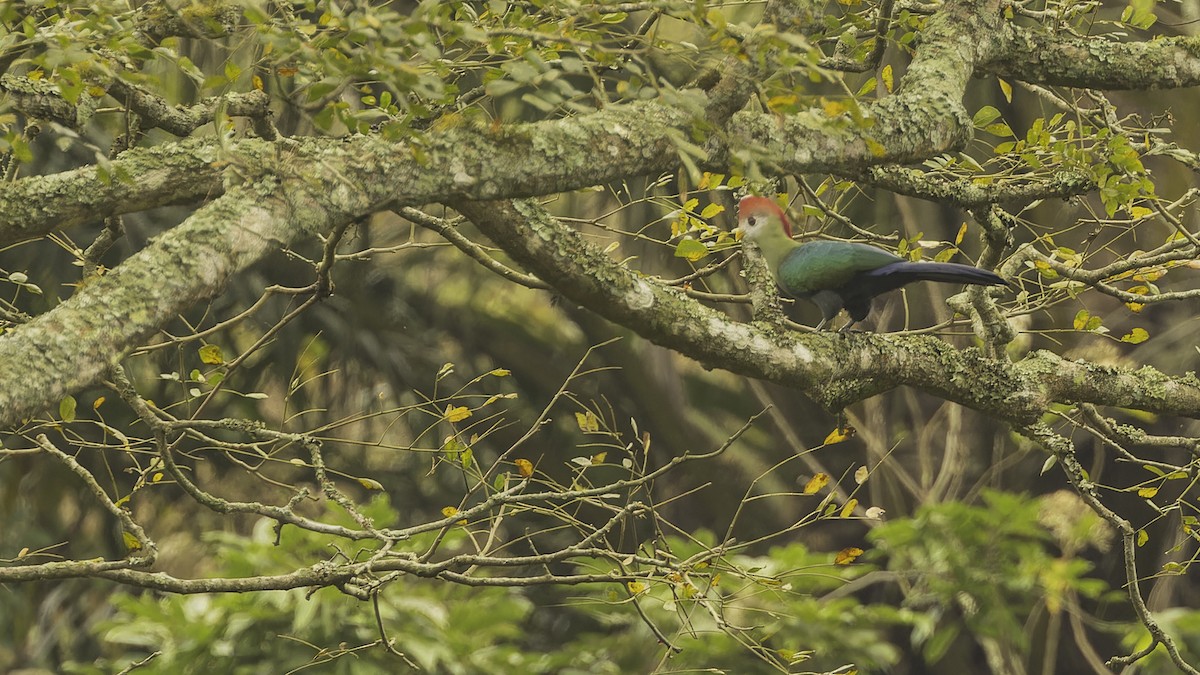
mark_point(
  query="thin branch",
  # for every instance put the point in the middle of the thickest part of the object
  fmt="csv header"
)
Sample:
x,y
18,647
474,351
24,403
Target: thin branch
x,y
1062,449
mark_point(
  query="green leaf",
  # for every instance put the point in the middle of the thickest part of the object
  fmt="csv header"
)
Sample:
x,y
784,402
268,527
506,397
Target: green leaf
x,y
985,116
1049,463
66,408
998,129
690,249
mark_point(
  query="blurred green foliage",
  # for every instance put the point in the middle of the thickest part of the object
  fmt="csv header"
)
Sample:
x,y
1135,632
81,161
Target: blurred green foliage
x,y
970,573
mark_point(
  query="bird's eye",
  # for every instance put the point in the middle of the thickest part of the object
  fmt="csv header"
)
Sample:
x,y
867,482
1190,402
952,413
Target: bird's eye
x,y
750,221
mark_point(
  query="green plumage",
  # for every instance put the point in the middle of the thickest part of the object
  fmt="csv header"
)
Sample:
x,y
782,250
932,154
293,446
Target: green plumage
x,y
837,275
827,265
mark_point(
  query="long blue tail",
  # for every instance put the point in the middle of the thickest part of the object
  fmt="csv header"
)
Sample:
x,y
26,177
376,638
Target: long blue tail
x,y
898,274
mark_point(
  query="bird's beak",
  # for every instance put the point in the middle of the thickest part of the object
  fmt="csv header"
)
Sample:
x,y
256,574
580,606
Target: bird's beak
x,y
738,234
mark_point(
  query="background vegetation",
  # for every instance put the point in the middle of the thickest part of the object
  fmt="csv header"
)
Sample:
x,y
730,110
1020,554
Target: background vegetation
x,y
294,375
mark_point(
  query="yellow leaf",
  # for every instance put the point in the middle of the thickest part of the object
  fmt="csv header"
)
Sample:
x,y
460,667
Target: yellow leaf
x,y
962,232
711,210
598,458
1136,336
449,511
131,542
258,83
588,423
1142,537
833,108
1081,319
1006,89
839,434
1045,269
211,354
1139,212
847,555
636,587
1147,492
815,483
370,483
524,467
458,414
887,77
848,509
782,103
97,403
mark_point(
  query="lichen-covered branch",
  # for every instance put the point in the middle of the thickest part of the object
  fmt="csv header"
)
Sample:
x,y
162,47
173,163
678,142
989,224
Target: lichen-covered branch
x,y
173,173
74,344
183,120
1038,56
834,369
966,193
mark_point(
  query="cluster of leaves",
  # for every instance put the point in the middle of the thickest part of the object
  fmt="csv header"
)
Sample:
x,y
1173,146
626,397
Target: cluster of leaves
x,y
986,570
972,572
441,627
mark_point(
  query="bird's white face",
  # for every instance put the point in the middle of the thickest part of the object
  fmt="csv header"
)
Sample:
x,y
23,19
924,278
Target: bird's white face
x,y
754,223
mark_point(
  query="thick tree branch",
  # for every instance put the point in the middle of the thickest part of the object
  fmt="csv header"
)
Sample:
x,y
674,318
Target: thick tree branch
x,y
965,193
174,173
1038,56
183,120
78,341
482,162
338,180
832,368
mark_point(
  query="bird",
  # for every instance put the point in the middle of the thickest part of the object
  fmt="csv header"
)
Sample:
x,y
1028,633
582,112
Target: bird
x,y
838,275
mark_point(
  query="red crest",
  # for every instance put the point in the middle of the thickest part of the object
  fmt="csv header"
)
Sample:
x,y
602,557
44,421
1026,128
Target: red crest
x,y
765,204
